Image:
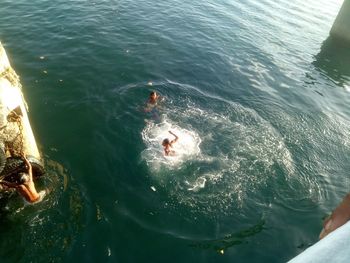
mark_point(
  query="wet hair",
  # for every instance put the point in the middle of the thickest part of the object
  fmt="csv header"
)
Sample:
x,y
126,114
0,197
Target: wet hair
x,y
152,93
165,141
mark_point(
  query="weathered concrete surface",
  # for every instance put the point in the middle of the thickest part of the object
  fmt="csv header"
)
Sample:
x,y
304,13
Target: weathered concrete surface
x,y
341,27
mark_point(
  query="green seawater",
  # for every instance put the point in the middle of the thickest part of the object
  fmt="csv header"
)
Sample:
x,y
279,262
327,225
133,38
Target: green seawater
x,y
257,90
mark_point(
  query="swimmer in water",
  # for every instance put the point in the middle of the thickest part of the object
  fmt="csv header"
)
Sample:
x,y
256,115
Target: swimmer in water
x,y
152,106
153,98
167,144
26,187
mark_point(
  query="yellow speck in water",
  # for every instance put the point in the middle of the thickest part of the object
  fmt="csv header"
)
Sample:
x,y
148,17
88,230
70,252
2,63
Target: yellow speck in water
x,y
98,213
221,251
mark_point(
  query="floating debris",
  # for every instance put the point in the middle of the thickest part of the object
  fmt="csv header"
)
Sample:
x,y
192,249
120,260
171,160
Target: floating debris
x,y
98,213
149,83
42,57
153,188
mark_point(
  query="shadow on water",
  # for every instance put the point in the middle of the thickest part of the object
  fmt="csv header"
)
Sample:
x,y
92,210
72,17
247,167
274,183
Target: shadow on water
x,y
221,244
333,60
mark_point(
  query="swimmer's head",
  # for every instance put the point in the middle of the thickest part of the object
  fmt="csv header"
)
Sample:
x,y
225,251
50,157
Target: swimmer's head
x,y
153,95
165,142
23,178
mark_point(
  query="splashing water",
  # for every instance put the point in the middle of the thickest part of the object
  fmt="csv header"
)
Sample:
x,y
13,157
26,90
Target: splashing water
x,y
186,148
220,157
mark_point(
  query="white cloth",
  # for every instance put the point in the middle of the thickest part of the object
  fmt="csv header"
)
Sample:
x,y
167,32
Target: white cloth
x,y
335,247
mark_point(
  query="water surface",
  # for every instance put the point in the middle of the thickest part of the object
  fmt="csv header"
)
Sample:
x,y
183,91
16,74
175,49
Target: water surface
x,y
256,89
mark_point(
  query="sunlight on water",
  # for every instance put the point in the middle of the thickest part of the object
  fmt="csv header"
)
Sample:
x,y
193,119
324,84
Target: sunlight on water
x,y
220,156
239,80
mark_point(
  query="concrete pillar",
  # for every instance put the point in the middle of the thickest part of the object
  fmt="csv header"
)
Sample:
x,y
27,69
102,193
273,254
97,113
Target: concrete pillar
x,y
11,97
341,27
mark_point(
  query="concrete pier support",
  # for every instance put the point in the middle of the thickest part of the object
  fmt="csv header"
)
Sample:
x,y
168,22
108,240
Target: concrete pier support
x,y
11,97
341,27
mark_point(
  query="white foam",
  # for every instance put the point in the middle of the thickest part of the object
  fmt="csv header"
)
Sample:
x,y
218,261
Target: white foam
x,y
198,184
219,157
185,148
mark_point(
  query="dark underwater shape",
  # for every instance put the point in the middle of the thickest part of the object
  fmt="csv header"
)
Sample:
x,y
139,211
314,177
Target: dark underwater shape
x,y
333,60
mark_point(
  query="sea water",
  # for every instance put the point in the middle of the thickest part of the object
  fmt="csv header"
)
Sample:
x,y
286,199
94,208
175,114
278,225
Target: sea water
x,y
256,91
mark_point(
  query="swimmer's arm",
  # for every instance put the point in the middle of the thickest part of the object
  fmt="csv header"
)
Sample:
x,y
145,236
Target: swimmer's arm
x,y
176,138
29,168
8,184
161,100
